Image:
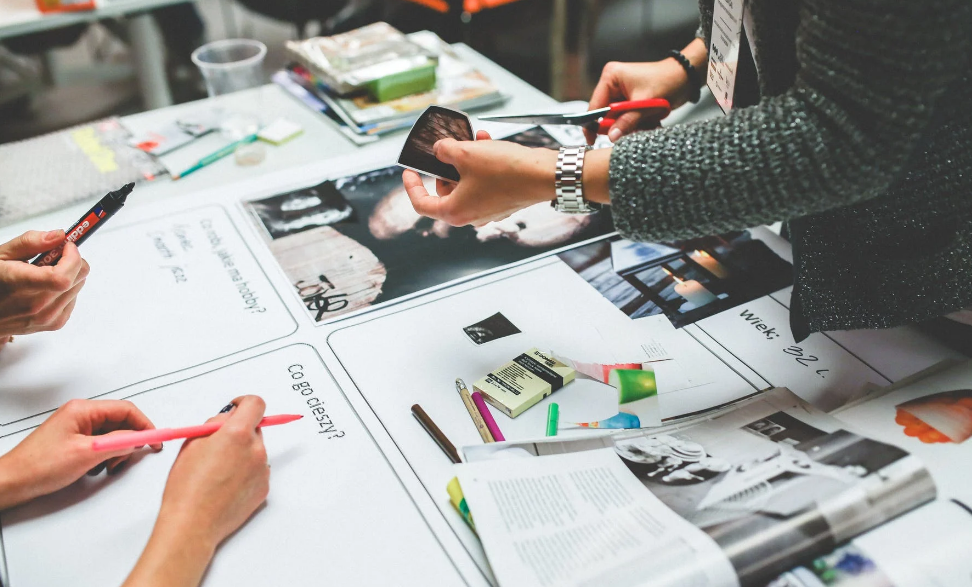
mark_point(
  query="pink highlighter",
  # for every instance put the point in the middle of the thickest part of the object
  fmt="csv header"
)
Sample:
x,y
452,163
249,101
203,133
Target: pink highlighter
x,y
487,417
147,437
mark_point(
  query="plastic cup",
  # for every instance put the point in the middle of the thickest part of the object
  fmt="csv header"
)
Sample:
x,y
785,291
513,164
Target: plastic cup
x,y
230,65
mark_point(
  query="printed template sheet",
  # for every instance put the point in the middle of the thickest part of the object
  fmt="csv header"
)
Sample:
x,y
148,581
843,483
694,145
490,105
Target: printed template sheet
x,y
336,514
163,295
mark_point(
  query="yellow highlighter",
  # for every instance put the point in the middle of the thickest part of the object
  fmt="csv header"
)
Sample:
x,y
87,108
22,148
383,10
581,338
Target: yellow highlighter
x,y
459,502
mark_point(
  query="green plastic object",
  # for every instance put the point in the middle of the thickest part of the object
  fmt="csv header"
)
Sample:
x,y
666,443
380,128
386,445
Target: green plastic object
x,y
406,83
633,384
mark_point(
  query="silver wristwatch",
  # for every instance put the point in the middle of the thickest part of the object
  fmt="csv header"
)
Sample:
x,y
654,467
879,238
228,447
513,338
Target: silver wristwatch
x,y
568,185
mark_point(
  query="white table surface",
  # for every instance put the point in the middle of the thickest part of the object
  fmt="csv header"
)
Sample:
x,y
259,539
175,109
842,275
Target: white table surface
x,y
320,141
20,17
309,158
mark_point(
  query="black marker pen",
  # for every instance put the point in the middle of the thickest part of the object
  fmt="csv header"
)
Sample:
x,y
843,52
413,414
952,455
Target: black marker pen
x,y
82,229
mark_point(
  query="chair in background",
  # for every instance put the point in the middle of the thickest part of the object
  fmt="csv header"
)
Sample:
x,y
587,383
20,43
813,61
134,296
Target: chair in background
x,y
334,16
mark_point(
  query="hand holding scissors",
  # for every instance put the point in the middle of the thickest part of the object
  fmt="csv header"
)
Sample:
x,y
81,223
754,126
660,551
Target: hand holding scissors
x,y
601,119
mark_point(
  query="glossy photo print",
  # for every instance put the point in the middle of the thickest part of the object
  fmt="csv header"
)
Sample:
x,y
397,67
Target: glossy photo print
x,y
687,280
436,123
342,261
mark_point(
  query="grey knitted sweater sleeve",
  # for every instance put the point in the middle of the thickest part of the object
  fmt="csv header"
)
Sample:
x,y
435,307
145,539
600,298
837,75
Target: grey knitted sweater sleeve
x,y
869,74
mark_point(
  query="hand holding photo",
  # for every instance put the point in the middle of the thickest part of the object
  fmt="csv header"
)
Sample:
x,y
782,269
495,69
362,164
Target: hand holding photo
x,y
434,124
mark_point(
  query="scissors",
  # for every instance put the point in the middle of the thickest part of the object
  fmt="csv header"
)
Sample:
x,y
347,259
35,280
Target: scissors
x,y
603,119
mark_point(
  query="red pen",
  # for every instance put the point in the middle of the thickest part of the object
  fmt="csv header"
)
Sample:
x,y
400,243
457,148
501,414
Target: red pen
x,y
147,437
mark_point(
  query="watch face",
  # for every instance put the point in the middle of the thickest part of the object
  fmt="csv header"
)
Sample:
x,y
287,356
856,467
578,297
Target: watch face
x,y
434,124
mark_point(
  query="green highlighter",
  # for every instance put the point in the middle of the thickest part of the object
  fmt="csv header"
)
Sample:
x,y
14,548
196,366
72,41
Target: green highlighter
x,y
553,419
213,157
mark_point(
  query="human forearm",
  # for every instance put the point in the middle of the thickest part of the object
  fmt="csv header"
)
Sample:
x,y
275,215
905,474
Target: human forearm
x,y
175,556
839,135
14,490
595,177
214,486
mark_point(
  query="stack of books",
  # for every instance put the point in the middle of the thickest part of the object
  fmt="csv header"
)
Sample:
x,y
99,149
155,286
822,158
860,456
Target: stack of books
x,y
363,114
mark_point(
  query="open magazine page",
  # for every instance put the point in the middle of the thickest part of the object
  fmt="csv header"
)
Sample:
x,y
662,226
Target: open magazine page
x,y
932,419
773,483
928,547
582,519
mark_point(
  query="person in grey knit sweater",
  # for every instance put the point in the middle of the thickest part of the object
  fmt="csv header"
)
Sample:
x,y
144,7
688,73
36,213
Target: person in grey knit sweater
x,y
859,136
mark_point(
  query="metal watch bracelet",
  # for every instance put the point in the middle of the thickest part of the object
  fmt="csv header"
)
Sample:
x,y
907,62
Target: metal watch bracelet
x,y
568,183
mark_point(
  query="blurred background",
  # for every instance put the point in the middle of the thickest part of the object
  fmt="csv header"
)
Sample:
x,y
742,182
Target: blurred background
x,y
65,75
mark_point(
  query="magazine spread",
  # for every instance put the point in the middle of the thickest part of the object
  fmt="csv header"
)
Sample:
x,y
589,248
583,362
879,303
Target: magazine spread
x,y
773,483
928,547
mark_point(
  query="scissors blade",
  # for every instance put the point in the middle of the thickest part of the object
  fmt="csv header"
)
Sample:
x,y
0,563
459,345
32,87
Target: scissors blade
x,y
529,119
576,118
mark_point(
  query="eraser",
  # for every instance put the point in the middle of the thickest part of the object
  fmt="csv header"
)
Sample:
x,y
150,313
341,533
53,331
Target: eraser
x,y
524,381
280,131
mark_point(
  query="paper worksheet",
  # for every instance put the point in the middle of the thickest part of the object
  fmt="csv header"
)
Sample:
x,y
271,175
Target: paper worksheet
x,y
583,519
816,369
336,515
163,295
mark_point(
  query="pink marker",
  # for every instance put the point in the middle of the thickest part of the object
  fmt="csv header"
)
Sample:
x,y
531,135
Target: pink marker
x,y
487,417
147,437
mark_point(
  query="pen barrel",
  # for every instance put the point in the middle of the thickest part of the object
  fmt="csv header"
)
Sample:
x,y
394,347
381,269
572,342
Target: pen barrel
x,y
84,228
120,441
476,417
213,157
487,417
437,435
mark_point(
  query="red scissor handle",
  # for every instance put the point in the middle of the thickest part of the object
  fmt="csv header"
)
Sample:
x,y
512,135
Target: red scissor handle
x,y
652,113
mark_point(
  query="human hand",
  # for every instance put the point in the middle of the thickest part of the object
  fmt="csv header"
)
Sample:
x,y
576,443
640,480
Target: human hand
x,y
497,179
218,481
35,299
215,485
59,451
637,81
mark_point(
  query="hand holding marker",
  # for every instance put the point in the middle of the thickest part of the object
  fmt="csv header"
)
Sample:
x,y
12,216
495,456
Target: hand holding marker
x,y
90,222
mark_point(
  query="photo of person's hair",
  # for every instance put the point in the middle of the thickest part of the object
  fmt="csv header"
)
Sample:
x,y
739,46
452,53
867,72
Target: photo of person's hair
x,y
434,124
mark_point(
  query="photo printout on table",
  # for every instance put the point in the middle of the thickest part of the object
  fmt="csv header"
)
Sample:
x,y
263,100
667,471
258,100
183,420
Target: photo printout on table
x,y
492,328
687,281
354,243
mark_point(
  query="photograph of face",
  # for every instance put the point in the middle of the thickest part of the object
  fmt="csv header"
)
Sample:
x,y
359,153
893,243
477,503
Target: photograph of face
x,y
371,256
687,281
293,212
434,124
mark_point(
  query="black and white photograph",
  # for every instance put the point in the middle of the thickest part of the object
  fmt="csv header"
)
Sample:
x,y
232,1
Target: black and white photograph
x,y
775,476
687,281
342,260
294,212
492,328
774,489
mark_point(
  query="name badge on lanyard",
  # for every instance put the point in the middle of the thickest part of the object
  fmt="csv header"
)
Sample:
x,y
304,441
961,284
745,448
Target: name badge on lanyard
x,y
727,26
